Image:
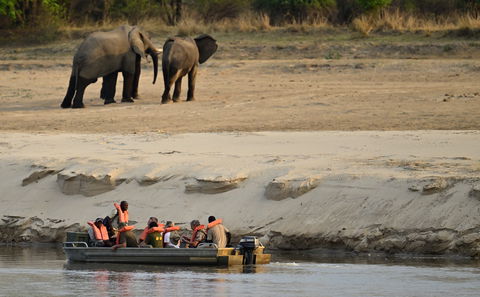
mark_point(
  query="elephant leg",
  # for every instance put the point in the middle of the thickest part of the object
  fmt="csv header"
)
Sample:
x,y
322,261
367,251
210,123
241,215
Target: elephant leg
x,y
168,85
82,83
103,90
136,77
67,101
178,89
127,87
192,76
108,87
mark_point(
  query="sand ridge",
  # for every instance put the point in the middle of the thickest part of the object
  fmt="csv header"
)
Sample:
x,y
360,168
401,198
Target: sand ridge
x,y
414,191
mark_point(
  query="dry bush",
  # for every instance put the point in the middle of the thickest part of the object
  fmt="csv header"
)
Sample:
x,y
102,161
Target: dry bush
x,y
363,24
190,27
239,24
468,21
397,21
313,24
248,22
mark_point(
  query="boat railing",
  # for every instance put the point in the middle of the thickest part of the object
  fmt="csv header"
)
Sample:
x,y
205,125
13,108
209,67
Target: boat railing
x,y
75,244
207,245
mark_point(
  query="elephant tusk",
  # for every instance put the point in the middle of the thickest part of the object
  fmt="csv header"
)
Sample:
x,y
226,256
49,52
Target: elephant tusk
x,y
158,51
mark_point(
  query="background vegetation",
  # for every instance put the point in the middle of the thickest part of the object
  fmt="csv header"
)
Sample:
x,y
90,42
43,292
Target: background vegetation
x,y
365,16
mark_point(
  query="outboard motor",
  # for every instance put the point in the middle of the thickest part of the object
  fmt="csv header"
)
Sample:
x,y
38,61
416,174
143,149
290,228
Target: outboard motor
x,y
247,246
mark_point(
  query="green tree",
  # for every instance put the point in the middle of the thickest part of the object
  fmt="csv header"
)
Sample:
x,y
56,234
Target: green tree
x,y
294,10
7,8
32,12
374,5
215,10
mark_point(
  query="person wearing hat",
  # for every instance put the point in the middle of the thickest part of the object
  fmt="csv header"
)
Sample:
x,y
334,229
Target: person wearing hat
x,y
98,234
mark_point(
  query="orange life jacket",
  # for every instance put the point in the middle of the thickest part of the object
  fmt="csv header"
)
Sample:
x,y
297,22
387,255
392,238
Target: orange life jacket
x,y
122,215
145,232
170,229
100,234
124,229
195,231
214,223
155,229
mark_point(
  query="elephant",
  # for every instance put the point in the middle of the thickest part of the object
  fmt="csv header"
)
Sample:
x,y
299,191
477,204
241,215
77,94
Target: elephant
x,y
182,55
104,54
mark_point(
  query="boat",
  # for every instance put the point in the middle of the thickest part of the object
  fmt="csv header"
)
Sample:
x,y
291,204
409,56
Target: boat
x,y
249,251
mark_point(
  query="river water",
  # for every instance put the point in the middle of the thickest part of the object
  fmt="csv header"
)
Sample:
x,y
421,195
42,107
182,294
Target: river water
x,y
43,271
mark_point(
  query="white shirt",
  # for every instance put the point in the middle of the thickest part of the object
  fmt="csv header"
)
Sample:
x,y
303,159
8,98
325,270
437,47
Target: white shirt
x,y
166,240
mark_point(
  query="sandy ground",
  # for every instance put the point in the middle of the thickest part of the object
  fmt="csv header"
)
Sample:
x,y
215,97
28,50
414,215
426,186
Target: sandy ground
x,y
303,151
290,94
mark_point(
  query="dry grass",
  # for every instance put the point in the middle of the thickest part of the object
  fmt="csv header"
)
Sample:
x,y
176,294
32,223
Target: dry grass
x,y
244,23
387,21
397,21
363,24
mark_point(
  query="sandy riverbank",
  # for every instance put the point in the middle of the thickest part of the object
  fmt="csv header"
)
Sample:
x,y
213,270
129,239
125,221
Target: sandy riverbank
x,y
410,191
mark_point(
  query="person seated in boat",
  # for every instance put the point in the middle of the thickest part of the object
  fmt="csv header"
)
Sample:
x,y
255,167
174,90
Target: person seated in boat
x,y
171,239
125,237
198,235
119,214
98,234
142,236
217,233
154,235
107,222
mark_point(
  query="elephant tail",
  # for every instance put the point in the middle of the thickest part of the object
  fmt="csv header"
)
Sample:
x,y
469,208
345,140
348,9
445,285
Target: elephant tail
x,y
165,73
72,87
75,74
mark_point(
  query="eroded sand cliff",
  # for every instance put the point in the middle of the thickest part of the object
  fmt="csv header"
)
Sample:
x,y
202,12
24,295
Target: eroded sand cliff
x,y
411,191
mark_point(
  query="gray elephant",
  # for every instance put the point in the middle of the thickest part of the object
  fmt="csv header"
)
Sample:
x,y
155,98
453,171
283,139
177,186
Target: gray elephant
x,y
104,54
181,56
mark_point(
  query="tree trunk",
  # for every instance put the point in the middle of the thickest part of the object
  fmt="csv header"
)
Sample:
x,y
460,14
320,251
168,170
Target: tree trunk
x,y
178,11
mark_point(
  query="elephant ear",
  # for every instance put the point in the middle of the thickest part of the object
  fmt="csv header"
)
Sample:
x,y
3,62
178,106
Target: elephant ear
x,y
136,41
207,46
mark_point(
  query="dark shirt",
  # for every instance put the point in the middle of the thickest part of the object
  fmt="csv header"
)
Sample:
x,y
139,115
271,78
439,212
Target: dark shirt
x,y
154,239
129,238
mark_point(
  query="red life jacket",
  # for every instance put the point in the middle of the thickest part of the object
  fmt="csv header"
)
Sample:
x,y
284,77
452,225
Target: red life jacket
x,y
100,234
122,215
124,229
195,231
214,223
168,230
145,232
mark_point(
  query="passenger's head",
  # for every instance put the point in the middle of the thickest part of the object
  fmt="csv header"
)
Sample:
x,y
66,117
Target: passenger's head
x,y
152,219
211,219
107,221
194,224
169,224
99,222
152,225
124,205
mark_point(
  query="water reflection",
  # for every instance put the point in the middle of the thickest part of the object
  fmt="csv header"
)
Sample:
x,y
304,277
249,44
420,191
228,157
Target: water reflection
x,y
338,257
43,271
101,267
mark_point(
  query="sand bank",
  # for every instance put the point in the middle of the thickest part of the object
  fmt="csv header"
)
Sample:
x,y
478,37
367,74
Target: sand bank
x,y
409,191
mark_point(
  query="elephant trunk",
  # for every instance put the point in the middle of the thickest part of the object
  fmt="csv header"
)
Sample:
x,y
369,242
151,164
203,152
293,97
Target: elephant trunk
x,y
154,56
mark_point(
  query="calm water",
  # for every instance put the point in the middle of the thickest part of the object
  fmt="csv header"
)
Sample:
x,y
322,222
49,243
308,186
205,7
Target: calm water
x,y
43,271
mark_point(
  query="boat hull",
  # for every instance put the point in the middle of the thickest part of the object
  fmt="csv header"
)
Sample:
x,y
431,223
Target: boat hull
x,y
182,256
